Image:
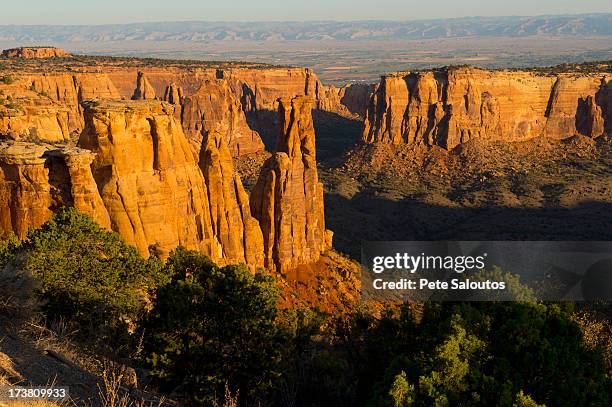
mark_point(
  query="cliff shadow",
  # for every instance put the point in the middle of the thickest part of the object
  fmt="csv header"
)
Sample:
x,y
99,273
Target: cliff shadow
x,y
264,122
60,182
335,135
366,216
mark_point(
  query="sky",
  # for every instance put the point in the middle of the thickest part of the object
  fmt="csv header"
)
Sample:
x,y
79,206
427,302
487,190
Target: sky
x,y
127,11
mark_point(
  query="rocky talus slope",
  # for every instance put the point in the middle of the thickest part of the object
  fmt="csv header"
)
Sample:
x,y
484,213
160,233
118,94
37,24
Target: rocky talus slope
x,y
452,106
539,189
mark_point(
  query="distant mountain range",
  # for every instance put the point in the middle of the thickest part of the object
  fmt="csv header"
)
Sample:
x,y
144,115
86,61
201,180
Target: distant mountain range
x,y
562,25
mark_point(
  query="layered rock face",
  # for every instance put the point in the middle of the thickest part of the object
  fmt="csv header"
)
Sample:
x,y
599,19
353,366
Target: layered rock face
x,y
135,172
214,108
259,89
74,165
449,107
205,99
35,119
237,231
35,52
24,188
30,114
35,180
288,197
148,177
348,101
158,194
69,91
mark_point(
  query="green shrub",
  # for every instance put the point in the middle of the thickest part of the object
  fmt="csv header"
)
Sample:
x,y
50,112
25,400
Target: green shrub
x,y
480,354
17,300
401,391
211,328
9,246
524,400
7,79
89,276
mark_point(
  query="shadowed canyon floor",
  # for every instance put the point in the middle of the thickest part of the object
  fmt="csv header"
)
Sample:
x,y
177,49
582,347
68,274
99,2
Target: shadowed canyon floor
x,y
536,190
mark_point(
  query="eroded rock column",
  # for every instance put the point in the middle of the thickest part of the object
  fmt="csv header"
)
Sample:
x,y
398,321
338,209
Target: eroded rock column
x,y
288,197
238,232
148,177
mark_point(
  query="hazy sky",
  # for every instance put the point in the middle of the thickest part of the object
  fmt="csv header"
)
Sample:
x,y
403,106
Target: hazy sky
x,y
124,11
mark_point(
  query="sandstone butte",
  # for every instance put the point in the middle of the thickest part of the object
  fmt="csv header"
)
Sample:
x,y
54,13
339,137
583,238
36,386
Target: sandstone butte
x,y
35,52
135,172
451,106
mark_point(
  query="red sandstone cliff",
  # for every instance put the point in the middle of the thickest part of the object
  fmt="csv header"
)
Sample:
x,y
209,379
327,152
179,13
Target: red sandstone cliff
x,y
70,90
34,119
36,179
204,98
214,108
158,195
24,188
148,177
138,173
259,89
134,172
449,107
347,101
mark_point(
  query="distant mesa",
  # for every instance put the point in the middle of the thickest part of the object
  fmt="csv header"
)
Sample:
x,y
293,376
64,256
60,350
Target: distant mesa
x,y
35,52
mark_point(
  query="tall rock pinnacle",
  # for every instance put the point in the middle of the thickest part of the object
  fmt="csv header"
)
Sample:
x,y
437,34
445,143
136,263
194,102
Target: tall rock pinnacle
x,y
144,90
237,231
288,197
